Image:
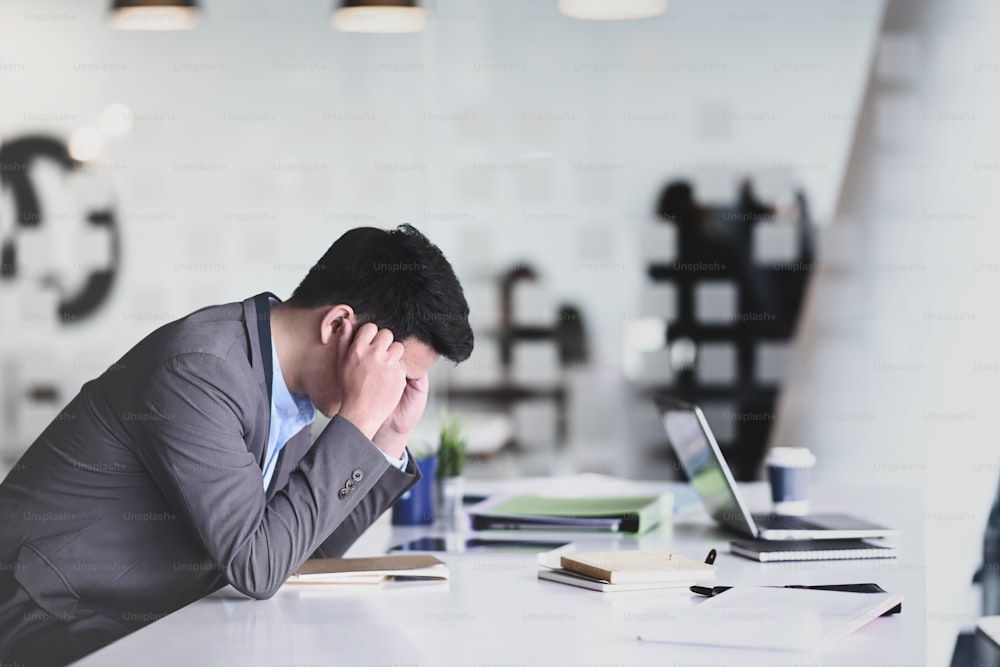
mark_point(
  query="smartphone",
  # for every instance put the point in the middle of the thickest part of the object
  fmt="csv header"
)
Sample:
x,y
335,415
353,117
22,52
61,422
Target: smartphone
x,y
430,543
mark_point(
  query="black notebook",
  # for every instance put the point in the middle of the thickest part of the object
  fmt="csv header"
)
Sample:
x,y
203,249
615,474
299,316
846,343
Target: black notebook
x,y
767,551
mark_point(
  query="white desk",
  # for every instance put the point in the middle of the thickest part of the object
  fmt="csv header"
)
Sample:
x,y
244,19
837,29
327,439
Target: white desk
x,y
495,612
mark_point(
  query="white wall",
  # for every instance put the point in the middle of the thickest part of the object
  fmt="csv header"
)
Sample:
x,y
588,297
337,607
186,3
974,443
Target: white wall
x,y
504,131
897,370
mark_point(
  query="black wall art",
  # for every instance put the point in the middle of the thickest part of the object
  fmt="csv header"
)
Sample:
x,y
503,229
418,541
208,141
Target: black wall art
x,y
79,296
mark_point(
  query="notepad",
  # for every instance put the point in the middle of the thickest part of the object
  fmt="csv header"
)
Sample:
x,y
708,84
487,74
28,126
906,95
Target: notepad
x,y
373,570
571,578
637,566
771,618
767,551
628,514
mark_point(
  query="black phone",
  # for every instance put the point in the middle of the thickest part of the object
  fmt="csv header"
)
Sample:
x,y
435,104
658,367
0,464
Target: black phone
x,y
430,543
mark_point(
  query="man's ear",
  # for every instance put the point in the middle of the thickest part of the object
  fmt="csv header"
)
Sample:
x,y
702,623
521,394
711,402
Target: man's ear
x,y
332,322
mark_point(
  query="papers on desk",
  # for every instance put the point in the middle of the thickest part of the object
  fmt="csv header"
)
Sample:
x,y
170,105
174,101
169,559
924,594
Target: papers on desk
x,y
770,618
374,570
990,626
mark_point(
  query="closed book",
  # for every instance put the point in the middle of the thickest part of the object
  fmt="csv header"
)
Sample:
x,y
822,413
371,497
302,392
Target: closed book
x,y
371,570
564,576
768,551
637,566
627,514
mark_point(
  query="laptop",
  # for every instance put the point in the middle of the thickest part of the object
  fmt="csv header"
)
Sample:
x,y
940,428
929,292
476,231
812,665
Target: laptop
x,y
702,460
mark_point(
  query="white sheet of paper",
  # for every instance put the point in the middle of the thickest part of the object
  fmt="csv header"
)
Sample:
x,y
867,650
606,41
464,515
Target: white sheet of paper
x,y
990,626
769,618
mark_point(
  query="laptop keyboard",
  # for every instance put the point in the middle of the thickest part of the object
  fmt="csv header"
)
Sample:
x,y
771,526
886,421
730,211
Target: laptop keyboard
x,y
779,522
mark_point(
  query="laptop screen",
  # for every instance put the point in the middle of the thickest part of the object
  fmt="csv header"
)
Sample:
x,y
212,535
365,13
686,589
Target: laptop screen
x,y
699,455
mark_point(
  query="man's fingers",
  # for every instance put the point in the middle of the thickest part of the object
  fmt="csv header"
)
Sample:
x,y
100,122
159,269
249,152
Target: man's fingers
x,y
422,383
366,332
344,343
395,351
383,339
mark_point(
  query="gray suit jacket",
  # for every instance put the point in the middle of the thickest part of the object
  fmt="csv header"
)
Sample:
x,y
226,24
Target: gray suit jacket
x,y
146,492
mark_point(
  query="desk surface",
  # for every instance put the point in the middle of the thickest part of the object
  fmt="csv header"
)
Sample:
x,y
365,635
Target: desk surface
x,y
494,611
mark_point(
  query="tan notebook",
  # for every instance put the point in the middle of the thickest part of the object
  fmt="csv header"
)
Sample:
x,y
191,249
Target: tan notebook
x,y
637,566
371,570
564,576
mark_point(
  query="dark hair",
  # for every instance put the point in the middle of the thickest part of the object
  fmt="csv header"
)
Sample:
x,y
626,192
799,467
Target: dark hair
x,y
397,279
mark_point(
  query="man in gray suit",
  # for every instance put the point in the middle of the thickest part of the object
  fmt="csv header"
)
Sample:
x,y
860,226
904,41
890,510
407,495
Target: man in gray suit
x,y
188,465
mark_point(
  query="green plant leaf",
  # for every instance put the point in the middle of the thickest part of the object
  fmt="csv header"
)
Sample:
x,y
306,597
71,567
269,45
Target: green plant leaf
x,y
451,449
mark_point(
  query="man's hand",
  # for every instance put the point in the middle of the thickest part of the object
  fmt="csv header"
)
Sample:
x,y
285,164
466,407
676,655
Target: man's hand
x,y
394,433
372,376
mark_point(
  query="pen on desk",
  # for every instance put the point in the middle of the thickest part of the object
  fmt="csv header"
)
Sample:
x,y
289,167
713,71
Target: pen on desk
x,y
707,591
712,591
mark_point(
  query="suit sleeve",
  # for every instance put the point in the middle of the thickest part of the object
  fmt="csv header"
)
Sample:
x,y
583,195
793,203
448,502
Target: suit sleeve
x,y
393,484
192,443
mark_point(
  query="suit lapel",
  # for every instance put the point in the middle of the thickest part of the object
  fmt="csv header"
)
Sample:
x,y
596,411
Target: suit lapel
x,y
257,322
257,314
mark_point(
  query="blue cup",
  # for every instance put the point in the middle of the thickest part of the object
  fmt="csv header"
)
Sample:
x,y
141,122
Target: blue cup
x,y
788,471
416,506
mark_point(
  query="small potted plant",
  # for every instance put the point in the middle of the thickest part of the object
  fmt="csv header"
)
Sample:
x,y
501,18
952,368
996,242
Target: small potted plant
x,y
451,462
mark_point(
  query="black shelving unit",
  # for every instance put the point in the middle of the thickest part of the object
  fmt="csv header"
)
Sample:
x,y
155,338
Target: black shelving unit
x,y
567,335
715,246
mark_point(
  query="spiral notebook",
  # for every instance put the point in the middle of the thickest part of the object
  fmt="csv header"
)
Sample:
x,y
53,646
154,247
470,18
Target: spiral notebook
x,y
768,551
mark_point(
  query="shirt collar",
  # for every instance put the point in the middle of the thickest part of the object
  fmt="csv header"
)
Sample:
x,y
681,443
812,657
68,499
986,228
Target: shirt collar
x,y
287,404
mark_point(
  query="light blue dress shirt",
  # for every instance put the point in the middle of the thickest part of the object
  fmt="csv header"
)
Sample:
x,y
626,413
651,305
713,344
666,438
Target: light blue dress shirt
x,y
290,413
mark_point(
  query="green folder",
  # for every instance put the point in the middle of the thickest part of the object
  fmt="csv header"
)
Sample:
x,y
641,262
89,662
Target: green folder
x,y
627,514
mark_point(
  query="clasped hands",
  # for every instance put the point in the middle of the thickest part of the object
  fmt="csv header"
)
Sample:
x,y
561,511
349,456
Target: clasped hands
x,y
376,394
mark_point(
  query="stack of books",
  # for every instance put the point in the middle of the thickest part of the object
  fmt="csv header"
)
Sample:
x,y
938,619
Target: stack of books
x,y
628,570
616,514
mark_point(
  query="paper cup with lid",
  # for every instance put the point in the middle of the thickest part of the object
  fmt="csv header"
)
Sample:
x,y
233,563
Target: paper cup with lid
x,y
788,471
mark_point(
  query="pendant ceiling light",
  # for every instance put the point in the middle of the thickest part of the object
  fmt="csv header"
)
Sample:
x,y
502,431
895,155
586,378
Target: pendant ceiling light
x,y
154,14
612,10
386,16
